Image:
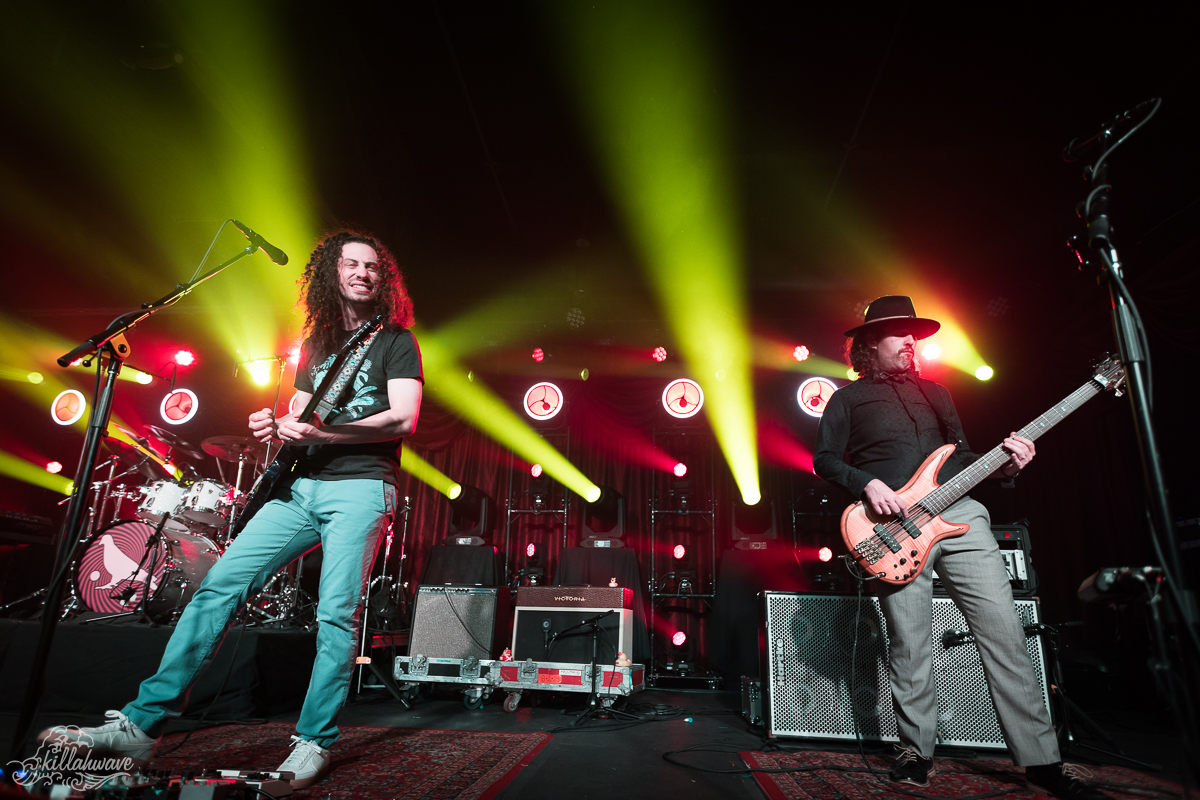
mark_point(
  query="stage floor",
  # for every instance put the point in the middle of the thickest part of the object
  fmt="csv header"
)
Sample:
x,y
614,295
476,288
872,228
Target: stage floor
x,y
594,763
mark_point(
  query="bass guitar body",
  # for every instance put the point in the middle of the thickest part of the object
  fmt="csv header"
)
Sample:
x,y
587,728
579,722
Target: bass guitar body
x,y
895,549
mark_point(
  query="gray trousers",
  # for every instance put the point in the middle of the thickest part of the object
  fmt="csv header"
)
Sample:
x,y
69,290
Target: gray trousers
x,y
972,571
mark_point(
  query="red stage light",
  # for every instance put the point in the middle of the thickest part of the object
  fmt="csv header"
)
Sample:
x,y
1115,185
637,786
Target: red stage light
x,y
536,470
538,354
294,354
680,470
679,552
53,467
800,353
543,400
185,358
825,554
683,398
679,638
530,550
814,393
659,354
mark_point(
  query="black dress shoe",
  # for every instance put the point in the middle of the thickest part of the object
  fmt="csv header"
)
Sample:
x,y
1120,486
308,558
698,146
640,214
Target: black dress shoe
x,y
911,767
1065,781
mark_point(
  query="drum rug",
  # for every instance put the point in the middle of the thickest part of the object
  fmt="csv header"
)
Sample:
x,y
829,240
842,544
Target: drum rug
x,y
814,775
371,763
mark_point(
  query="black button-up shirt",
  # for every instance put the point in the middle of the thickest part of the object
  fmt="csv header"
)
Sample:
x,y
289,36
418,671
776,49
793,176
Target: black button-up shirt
x,y
885,428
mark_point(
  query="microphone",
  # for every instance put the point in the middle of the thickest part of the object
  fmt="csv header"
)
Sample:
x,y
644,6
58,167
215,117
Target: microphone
x,y
1077,147
273,252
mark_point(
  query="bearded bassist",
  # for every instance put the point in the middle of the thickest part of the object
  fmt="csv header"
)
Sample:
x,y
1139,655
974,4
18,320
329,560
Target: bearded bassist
x,y
874,435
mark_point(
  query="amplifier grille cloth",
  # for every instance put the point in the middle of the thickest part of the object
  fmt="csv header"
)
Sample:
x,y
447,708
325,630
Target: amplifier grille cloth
x,y
809,640
437,631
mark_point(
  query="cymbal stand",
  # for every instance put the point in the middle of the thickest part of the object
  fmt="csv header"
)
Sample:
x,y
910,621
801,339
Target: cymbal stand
x,y
237,491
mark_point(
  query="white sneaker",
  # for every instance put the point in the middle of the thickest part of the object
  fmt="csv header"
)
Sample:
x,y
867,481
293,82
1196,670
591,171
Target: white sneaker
x,y
117,737
307,763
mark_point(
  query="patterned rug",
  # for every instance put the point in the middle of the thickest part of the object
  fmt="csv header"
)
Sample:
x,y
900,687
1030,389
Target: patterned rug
x,y
833,776
371,763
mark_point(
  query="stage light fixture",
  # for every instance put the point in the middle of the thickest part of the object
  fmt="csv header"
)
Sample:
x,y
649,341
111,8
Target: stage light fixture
x,y
931,352
683,398
469,512
603,519
679,638
536,470
144,378
851,374
531,550
814,394
801,353
538,354
584,373
35,378
543,400
260,371
679,552
659,354
984,373
179,406
825,554
680,470
294,354
575,318
53,467
68,407
185,358
454,491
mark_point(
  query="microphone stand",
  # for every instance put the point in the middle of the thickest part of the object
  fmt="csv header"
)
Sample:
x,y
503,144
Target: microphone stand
x,y
110,347
594,708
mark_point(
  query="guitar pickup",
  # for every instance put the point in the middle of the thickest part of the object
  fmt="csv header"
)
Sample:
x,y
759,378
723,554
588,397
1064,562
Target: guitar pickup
x,y
887,538
908,525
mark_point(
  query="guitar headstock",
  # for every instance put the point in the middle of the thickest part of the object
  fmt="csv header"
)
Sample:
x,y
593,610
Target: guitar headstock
x,y
1110,373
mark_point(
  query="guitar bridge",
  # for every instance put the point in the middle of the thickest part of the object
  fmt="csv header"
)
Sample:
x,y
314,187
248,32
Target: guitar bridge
x,y
868,551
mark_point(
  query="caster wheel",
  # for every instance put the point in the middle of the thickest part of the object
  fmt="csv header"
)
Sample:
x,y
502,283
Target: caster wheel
x,y
474,704
511,702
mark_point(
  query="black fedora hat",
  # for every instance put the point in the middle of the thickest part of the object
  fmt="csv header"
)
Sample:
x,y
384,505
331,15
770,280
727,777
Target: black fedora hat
x,y
894,308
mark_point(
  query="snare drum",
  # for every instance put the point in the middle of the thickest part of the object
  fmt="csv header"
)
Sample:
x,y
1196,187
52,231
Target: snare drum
x,y
207,503
162,497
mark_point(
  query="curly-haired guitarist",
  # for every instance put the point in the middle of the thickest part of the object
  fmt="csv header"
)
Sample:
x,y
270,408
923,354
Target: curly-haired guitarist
x,y
340,494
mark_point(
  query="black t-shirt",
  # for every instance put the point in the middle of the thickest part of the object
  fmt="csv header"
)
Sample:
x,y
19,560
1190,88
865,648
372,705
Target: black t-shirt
x,y
393,354
885,428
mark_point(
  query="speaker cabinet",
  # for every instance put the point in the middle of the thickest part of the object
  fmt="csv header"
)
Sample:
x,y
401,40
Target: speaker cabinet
x,y
545,634
807,678
459,622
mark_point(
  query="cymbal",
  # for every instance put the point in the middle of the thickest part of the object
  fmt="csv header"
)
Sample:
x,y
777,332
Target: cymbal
x,y
135,457
231,448
142,440
179,448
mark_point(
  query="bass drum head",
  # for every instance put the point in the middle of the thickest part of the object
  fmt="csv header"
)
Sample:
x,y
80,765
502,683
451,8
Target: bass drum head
x,y
109,567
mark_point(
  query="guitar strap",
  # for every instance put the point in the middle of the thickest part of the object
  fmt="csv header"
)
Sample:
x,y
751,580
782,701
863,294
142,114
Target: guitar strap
x,y
942,416
332,389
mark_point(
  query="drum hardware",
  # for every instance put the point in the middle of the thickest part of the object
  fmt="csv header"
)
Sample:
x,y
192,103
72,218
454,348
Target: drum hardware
x,y
283,601
385,597
178,447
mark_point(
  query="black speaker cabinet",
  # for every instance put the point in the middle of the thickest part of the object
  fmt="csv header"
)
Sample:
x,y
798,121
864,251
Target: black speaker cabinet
x,y
460,621
807,679
533,629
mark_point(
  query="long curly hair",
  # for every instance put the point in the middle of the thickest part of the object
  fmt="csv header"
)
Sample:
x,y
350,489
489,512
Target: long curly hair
x,y
323,303
860,352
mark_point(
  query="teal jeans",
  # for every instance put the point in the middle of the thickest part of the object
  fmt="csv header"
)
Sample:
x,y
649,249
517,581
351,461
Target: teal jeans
x,y
345,518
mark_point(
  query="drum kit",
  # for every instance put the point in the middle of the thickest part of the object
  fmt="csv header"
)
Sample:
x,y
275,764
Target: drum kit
x,y
151,561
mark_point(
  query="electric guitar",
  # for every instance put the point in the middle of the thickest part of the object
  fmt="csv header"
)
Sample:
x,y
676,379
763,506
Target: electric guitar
x,y
893,548
324,400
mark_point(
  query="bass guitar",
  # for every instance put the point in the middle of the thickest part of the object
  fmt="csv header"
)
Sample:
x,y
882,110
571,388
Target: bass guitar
x,y
894,548
324,400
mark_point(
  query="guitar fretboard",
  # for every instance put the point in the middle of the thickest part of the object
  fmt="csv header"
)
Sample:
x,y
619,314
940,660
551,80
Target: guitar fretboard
x,y
945,495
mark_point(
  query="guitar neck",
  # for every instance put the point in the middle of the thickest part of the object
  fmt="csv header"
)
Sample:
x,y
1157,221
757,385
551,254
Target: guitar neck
x,y
948,493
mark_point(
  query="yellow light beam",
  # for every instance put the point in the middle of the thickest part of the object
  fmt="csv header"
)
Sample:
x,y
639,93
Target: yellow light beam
x,y
470,399
22,470
653,98
427,473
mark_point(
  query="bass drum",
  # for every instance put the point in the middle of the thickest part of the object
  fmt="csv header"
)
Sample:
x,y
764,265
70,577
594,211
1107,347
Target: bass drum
x,y
109,580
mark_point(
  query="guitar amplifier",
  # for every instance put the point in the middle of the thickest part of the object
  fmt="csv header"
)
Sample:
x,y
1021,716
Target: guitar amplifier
x,y
810,691
459,622
1015,549
601,597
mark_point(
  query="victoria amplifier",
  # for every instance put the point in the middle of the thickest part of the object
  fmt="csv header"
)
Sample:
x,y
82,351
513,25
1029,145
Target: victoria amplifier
x,y
574,597
459,622
807,675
